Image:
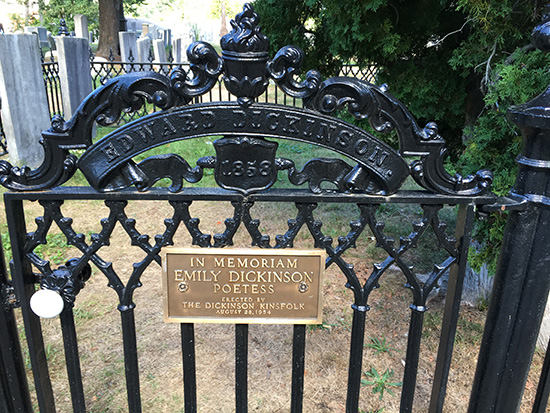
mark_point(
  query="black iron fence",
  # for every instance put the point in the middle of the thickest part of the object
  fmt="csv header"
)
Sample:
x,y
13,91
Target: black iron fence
x,y
106,69
52,83
3,142
246,174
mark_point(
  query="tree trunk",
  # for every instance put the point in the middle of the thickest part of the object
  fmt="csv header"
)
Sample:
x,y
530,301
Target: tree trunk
x,y
108,28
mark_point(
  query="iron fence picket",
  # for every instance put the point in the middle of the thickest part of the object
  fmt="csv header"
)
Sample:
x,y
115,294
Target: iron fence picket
x,y
298,368
52,83
411,360
14,392
241,368
355,367
3,142
543,388
72,359
24,283
463,235
189,368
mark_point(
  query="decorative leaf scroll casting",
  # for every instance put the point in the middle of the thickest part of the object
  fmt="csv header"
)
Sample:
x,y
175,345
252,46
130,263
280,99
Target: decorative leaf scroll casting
x,y
69,279
246,71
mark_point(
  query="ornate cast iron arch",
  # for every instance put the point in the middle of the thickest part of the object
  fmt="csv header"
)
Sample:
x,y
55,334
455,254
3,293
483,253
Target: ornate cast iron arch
x,y
245,160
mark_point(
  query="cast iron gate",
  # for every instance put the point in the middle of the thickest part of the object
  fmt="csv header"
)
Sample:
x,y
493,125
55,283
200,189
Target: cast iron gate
x,y
246,169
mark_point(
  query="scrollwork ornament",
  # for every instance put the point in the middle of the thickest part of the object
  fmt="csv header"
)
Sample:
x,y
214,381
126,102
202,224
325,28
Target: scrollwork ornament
x,y
385,113
206,66
286,66
105,105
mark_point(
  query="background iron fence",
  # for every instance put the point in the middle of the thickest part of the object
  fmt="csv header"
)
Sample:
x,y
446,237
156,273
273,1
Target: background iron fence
x,y
52,83
3,143
103,70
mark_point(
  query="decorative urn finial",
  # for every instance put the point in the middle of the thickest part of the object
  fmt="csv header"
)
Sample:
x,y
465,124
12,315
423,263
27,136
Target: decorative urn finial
x,y
245,54
63,30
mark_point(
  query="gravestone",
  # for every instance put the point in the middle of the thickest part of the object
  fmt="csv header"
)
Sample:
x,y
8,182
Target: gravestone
x,y
154,31
177,51
144,30
25,111
42,33
81,26
128,44
51,42
167,37
143,49
160,51
42,36
74,72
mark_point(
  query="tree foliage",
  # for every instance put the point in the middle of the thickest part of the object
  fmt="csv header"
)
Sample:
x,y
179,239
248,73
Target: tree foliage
x,y
459,63
103,16
54,10
232,7
398,37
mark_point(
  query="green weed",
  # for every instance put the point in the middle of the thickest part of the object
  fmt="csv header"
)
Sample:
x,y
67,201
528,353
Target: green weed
x,y
380,383
432,323
82,314
55,249
380,345
468,332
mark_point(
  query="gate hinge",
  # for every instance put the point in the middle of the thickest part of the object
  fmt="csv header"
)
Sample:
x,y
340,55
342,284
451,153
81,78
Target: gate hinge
x,y
511,202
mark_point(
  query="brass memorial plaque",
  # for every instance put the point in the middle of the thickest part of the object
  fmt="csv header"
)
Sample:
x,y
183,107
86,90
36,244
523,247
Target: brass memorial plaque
x,y
247,286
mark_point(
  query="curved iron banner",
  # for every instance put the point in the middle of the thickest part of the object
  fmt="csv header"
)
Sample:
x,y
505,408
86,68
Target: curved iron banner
x,y
246,71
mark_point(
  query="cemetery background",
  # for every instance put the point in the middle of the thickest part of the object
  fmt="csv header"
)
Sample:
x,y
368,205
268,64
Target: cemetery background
x,y
78,63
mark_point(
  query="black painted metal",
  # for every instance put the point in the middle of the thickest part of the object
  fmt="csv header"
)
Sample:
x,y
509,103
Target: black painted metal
x,y
14,392
3,141
72,359
464,227
52,83
24,283
521,286
189,371
241,368
131,359
246,168
63,30
543,388
355,359
298,368
411,365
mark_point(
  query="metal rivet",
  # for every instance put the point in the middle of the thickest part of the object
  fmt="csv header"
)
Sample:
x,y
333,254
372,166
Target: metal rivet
x,y
183,287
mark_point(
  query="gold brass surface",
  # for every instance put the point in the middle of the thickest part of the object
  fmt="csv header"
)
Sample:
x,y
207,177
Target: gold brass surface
x,y
246,286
